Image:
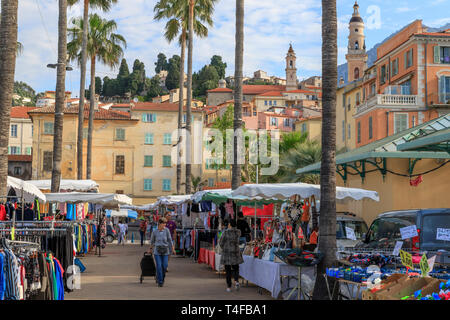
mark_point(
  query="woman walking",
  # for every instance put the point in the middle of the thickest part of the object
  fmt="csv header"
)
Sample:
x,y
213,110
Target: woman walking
x,y
231,254
161,244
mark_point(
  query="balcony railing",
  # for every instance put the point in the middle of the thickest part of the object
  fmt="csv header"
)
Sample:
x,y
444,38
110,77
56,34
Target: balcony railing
x,y
396,100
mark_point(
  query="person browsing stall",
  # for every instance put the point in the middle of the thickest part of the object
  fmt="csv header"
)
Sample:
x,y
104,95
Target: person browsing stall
x,y
231,254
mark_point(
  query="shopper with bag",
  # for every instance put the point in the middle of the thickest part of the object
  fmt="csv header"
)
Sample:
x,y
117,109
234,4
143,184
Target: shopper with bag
x,y
162,246
231,254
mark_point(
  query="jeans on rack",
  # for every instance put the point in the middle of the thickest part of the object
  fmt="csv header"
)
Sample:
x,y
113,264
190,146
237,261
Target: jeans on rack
x,y
232,271
162,262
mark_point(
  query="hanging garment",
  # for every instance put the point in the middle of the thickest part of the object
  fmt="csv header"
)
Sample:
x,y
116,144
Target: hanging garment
x,y
2,213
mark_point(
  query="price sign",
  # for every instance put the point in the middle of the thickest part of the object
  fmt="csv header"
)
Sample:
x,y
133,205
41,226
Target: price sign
x,y
443,234
397,248
406,259
424,267
350,233
409,232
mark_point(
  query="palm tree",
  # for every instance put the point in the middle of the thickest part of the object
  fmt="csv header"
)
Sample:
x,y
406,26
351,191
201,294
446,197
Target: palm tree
x,y
177,11
327,227
197,183
19,45
104,45
302,155
239,62
59,96
8,45
104,5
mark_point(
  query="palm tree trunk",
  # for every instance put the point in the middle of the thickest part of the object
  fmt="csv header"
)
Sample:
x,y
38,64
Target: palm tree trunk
x,y
239,61
8,45
327,223
189,98
180,108
82,88
60,96
91,120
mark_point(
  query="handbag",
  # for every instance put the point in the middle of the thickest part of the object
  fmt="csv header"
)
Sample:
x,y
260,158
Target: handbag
x,y
248,249
267,252
274,258
161,250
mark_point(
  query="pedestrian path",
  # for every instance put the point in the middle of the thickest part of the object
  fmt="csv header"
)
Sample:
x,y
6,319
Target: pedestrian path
x,y
115,275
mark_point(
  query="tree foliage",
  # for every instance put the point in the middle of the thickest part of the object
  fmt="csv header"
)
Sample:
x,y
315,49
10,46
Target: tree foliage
x,y
173,76
216,62
161,63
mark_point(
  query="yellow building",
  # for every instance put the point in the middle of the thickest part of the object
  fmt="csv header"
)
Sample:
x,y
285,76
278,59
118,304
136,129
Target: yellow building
x,y
408,170
348,98
132,153
312,126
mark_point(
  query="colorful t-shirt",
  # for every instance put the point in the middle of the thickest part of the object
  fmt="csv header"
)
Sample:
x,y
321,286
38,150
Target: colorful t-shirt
x,y
172,226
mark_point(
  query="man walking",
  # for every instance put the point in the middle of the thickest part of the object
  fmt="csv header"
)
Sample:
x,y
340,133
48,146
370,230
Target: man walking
x,y
143,230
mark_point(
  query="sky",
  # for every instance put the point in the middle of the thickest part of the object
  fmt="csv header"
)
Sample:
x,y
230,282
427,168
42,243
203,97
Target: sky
x,y
269,28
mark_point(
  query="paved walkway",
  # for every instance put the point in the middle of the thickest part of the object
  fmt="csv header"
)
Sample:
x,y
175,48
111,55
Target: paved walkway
x,y
115,276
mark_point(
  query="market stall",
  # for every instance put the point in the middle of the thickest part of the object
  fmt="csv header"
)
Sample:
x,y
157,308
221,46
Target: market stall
x,y
67,185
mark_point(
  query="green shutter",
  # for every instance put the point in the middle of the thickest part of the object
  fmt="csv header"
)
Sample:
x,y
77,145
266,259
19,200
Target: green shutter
x,y
154,117
144,117
442,89
9,150
437,53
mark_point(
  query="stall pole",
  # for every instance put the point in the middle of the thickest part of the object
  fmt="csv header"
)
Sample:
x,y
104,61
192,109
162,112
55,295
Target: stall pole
x,y
23,204
255,222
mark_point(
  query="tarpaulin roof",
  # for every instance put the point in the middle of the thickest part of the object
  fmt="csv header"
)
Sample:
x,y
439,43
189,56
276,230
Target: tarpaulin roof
x,y
122,213
284,191
175,199
29,190
72,185
106,199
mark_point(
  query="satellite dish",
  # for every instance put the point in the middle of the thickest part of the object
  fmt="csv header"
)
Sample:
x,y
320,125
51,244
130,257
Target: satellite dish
x,y
135,100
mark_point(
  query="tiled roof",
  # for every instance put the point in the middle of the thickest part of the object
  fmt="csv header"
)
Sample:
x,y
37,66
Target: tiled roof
x,y
121,105
310,118
271,94
152,106
301,91
100,114
252,89
20,157
21,112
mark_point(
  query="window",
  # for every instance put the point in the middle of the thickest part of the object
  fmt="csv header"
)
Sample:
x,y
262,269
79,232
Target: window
x,y
167,161
370,128
149,117
349,104
408,58
14,130
270,102
14,150
28,150
148,161
120,164
304,129
184,118
17,171
413,123
394,67
120,134
372,89
167,138
287,122
48,127
358,98
209,164
356,73
48,161
445,55
223,179
274,121
275,102
400,122
211,182
444,89
119,191
383,75
147,184
265,102
349,131
149,138
32,130
343,130
356,45
166,184
359,132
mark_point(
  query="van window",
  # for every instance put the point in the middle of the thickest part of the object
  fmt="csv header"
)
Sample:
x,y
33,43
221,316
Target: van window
x,y
429,228
359,227
388,228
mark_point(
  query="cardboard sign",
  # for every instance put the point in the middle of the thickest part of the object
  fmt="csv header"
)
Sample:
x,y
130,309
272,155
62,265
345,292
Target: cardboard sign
x,y
350,233
443,234
431,263
397,248
406,259
409,232
424,267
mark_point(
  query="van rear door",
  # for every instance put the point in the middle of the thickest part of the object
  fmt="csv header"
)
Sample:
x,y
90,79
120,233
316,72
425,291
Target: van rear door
x,y
431,221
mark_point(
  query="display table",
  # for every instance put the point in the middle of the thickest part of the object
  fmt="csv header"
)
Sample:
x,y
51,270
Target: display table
x,y
266,274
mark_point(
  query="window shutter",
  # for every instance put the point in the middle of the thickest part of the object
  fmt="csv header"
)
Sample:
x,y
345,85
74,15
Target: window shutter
x,y
442,89
412,55
154,117
406,60
144,117
9,150
390,68
437,58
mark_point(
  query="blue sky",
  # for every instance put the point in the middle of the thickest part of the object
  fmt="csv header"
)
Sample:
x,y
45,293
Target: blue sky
x,y
269,27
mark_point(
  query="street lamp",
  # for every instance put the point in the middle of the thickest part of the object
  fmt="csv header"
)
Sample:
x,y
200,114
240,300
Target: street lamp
x,y
53,66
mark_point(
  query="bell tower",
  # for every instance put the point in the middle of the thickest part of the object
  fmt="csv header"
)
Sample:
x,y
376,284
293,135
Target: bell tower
x,y
356,56
291,70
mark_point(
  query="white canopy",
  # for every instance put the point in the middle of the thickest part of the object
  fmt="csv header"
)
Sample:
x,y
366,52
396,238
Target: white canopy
x,y
69,185
176,199
29,191
145,207
283,191
105,199
121,213
197,197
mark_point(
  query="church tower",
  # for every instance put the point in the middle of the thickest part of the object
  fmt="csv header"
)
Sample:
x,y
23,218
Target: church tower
x,y
291,70
356,56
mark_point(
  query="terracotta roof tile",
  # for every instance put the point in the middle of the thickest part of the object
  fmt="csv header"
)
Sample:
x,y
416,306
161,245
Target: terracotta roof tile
x,y
271,94
166,106
220,90
100,114
252,89
21,112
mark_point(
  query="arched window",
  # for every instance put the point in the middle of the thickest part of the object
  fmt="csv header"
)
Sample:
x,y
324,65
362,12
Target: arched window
x,y
356,73
290,63
356,45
